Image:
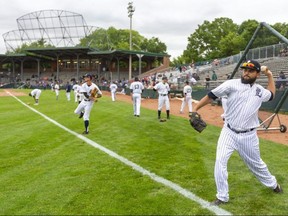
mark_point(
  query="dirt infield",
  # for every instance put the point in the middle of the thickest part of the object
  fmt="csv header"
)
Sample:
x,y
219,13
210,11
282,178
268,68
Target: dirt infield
x,y
212,115
15,93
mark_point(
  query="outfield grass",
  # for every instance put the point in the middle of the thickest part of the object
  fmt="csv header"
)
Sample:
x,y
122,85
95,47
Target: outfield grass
x,y
46,170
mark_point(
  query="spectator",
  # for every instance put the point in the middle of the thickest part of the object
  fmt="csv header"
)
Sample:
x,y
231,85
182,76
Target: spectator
x,y
281,81
207,80
214,76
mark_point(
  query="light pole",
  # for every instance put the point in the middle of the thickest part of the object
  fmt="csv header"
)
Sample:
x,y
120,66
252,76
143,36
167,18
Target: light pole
x,y
140,56
131,9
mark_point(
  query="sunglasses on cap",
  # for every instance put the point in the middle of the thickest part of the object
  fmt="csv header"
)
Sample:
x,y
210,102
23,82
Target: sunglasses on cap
x,y
248,64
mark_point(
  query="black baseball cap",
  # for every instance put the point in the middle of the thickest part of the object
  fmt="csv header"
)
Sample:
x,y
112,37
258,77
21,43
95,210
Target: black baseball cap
x,y
251,64
88,75
164,78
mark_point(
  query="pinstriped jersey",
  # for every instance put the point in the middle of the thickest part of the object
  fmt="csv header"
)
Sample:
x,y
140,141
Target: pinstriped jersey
x,y
243,102
187,90
162,88
88,89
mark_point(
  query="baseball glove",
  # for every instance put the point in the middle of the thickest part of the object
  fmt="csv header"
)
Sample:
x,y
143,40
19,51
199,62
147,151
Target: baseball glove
x,y
197,122
94,92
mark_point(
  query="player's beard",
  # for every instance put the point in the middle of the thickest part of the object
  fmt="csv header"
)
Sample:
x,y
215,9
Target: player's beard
x,y
248,81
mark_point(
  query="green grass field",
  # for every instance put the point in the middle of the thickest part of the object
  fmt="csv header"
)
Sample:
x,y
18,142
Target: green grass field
x,y
47,170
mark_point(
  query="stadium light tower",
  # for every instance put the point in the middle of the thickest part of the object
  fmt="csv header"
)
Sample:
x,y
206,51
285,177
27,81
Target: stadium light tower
x,y
131,10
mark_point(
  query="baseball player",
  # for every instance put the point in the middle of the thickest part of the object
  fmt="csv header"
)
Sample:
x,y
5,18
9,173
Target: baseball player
x,y
113,88
35,93
57,89
85,107
136,90
163,91
68,90
75,87
187,92
244,98
79,95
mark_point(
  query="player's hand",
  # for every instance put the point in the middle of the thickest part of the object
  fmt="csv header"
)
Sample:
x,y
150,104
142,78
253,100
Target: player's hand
x,y
92,98
265,70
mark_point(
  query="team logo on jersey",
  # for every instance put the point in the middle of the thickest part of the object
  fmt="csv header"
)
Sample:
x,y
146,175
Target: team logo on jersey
x,y
258,92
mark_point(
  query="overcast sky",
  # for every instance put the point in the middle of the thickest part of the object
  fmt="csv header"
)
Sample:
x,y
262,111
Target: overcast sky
x,y
172,21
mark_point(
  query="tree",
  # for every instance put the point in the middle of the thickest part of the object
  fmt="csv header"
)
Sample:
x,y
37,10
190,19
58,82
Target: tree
x,y
204,42
231,44
153,45
37,44
120,39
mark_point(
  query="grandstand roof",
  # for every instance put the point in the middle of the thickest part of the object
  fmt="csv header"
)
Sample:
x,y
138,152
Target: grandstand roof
x,y
85,52
125,54
16,57
63,52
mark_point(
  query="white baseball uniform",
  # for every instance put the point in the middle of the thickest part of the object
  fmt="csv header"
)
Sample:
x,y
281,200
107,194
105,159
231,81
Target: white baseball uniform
x,y
239,133
75,87
35,93
163,90
113,88
136,88
187,91
80,95
86,104
57,89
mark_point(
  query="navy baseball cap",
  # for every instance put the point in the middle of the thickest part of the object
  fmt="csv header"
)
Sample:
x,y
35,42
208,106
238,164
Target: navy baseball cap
x,y
164,78
251,64
88,75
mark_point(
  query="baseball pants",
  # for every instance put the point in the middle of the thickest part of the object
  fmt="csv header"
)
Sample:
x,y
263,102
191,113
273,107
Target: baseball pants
x,y
247,146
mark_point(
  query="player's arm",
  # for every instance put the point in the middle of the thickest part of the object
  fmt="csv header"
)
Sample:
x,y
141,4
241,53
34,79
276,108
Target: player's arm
x,y
34,97
86,95
271,84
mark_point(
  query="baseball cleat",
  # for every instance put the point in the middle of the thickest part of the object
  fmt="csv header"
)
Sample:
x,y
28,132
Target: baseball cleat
x,y
278,189
81,115
217,202
85,132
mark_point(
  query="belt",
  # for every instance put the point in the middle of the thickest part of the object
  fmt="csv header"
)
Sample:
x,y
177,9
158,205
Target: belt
x,y
236,131
86,100
163,94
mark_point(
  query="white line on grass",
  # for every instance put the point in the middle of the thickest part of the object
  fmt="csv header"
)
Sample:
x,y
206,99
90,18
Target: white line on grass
x,y
153,176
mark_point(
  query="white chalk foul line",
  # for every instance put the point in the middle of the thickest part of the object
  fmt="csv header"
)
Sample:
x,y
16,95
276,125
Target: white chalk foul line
x,y
205,204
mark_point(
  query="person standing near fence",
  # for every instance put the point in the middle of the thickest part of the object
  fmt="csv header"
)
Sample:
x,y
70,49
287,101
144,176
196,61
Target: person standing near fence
x,y
68,91
57,89
187,93
163,92
136,90
214,76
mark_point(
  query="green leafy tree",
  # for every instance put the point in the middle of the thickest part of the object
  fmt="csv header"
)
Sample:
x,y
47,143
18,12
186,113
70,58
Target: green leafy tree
x,y
113,38
37,44
204,43
153,45
231,44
